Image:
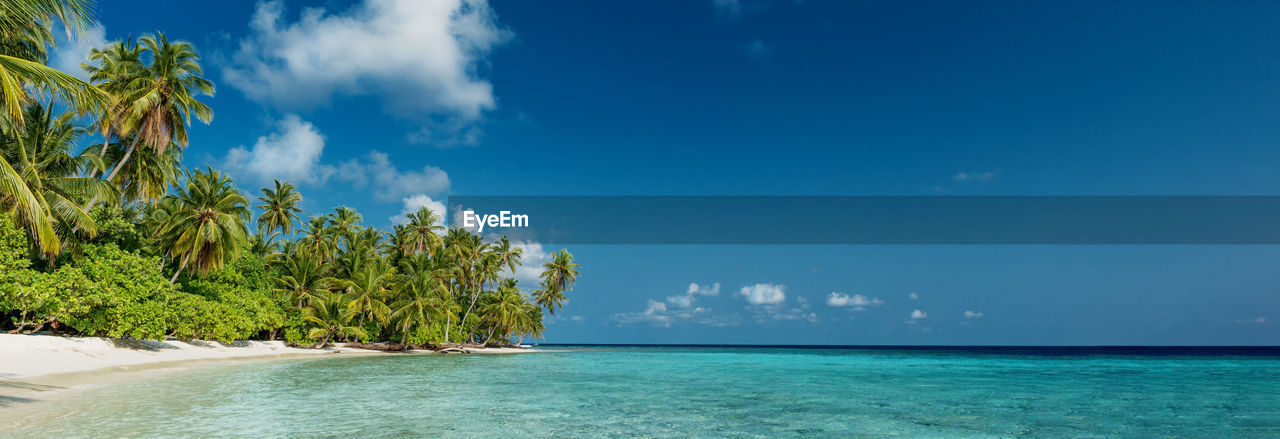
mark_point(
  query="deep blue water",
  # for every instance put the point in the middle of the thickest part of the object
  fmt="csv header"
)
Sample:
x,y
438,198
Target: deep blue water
x,y
666,391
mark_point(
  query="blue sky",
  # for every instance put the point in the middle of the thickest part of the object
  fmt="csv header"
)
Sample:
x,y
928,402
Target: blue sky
x,y
384,105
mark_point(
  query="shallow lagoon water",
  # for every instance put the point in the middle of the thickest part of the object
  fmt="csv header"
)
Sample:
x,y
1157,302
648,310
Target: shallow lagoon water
x,y
688,392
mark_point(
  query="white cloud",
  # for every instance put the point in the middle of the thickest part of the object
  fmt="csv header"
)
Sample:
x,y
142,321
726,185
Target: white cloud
x,y
764,294
972,314
531,259
420,57
292,153
68,56
659,314
974,176
757,49
686,300
913,296
705,290
389,183
857,301
679,308
415,202
1258,320
918,314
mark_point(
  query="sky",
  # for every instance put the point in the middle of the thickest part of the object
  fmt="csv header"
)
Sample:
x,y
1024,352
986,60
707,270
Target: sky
x,y
390,105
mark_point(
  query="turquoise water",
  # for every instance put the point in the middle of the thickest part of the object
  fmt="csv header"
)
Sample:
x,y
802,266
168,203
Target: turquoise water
x,y
688,392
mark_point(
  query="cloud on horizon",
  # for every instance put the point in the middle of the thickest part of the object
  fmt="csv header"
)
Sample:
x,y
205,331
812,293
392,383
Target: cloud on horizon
x,y
856,302
764,294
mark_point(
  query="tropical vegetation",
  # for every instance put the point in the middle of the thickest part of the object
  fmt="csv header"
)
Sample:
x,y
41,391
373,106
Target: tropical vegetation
x,y
103,232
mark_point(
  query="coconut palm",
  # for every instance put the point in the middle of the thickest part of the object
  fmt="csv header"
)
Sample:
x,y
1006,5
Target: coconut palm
x,y
148,175
279,209
558,275
112,68
304,278
507,255
505,311
264,246
317,241
330,320
419,301
209,229
158,104
48,169
343,223
366,292
421,232
25,38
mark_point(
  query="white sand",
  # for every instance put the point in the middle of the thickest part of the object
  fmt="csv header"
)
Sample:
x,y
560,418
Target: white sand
x,y
24,356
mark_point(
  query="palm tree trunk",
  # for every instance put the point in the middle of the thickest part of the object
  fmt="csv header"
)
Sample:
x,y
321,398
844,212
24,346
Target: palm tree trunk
x,y
469,308
123,160
185,258
446,327
103,153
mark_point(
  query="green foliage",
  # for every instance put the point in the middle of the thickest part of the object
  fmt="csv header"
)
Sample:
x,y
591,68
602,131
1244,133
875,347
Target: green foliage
x,y
116,226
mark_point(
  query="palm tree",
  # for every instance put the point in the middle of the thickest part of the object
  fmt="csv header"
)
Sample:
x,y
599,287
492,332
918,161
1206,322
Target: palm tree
x,y
266,247
279,209
317,242
419,302
366,292
159,103
343,223
25,38
303,277
421,231
330,319
558,275
506,311
147,176
209,229
112,69
508,255
49,171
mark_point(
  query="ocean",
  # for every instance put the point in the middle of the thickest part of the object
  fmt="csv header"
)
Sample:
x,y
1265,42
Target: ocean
x,y
711,392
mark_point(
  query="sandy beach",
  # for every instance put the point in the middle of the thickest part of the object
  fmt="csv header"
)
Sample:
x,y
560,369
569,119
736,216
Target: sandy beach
x,y
29,356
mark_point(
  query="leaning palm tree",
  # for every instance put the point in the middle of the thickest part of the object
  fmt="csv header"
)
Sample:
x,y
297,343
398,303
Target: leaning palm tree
x,y
558,275
112,68
159,103
279,209
147,176
506,310
329,320
43,159
25,38
209,229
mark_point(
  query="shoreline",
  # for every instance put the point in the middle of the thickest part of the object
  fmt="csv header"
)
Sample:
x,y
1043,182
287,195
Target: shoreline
x,y
36,364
